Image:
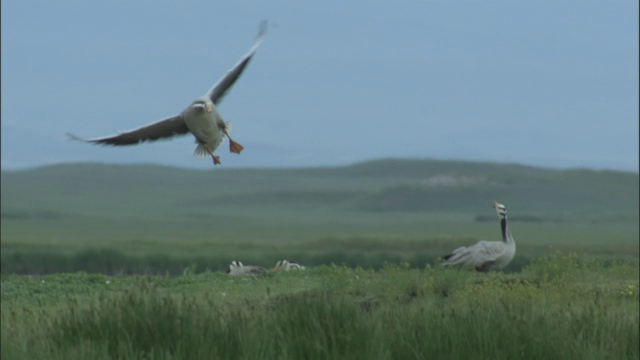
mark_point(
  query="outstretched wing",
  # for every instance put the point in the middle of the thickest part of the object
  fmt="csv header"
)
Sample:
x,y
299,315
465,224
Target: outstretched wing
x,y
166,128
220,89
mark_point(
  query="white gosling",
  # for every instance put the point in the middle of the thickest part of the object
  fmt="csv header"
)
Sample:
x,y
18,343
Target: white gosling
x,y
286,265
486,255
237,268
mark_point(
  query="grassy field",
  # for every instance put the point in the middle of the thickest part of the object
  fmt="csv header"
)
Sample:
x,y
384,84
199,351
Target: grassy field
x,y
557,307
133,219
113,261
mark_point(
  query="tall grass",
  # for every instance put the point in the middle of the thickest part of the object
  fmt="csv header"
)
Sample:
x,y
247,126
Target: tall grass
x,y
589,309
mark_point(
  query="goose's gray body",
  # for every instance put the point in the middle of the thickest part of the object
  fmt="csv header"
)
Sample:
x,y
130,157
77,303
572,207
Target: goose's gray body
x,y
486,255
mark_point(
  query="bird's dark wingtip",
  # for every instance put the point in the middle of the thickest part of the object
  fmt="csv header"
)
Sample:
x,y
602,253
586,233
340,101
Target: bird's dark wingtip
x,y
264,25
70,136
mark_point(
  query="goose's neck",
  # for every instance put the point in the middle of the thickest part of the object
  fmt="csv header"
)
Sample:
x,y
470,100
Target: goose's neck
x,y
506,234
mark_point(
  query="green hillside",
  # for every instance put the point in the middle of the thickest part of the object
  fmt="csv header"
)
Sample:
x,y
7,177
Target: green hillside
x,y
364,213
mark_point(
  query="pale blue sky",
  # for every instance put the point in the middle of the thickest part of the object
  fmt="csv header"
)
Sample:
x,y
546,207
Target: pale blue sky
x,y
547,83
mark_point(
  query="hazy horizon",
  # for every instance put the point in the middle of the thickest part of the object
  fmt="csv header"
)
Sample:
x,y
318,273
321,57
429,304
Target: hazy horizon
x,y
544,84
317,166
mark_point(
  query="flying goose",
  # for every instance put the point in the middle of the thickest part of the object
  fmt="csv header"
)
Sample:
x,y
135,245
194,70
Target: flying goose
x,y
285,265
201,118
236,268
486,255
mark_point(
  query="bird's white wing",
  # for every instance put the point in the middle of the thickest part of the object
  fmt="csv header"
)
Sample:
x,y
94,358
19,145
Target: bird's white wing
x,y
220,89
487,251
166,128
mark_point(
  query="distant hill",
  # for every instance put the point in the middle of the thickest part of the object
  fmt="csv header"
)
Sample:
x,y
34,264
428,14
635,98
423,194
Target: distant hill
x,y
381,185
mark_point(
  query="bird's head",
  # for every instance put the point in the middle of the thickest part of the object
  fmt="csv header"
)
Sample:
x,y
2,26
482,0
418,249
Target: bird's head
x,y
203,105
280,265
234,265
501,209
286,265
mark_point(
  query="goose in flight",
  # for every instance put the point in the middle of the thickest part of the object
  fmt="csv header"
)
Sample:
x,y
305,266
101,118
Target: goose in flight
x,y
486,255
237,268
201,118
286,265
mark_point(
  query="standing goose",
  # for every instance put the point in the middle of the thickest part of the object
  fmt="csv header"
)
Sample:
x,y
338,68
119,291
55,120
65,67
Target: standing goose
x,y
201,118
236,268
486,255
286,265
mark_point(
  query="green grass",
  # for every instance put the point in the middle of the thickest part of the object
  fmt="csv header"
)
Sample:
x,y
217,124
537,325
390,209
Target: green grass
x,y
135,254
561,306
125,218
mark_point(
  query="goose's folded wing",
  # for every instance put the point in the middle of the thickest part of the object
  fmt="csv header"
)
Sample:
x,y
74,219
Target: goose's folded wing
x,y
490,250
220,89
165,128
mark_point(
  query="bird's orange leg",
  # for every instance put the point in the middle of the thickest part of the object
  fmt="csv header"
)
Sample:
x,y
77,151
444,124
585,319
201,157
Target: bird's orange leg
x,y
216,159
234,147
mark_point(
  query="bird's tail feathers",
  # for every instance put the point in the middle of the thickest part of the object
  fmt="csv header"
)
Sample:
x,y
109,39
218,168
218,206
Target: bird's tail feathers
x,y
456,257
200,151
